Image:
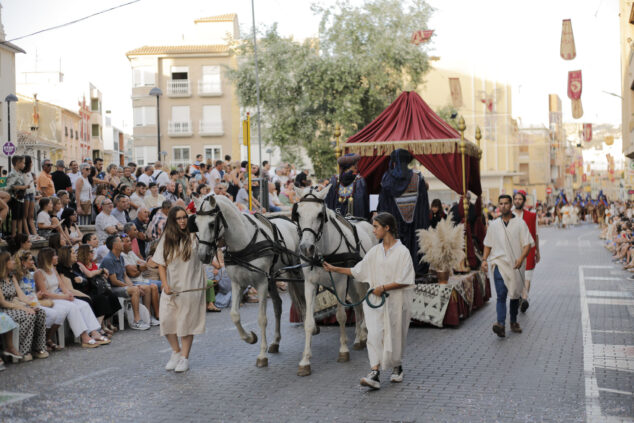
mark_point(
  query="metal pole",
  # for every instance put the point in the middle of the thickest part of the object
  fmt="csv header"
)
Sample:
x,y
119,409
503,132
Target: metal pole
x,y
158,127
9,133
257,90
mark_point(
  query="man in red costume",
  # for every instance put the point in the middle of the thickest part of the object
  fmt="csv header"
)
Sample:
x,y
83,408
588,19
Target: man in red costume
x,y
519,200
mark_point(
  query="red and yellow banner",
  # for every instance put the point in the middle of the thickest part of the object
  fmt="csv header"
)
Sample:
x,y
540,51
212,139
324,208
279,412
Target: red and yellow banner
x,y
574,85
422,36
587,132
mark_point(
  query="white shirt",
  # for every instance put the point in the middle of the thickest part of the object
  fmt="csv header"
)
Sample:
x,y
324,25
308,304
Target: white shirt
x,y
131,259
73,177
101,252
145,179
102,222
43,217
137,201
161,177
214,178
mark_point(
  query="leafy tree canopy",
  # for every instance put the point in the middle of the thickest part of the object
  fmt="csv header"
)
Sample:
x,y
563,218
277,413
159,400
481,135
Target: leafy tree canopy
x,y
361,62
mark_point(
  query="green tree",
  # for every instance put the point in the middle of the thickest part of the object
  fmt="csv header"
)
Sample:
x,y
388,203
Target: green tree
x,y
449,114
361,62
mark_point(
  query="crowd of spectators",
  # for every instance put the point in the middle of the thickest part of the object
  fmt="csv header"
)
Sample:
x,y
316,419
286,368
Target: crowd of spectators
x,y
102,224
617,233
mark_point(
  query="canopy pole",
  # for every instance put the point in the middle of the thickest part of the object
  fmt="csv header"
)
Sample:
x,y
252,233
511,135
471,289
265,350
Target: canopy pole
x,y
465,200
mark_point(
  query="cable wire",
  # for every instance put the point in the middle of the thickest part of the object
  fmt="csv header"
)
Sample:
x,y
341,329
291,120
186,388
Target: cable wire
x,y
71,22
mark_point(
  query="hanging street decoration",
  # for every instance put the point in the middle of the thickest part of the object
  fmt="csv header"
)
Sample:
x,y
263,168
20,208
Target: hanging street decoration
x,y
456,92
574,93
567,49
587,132
422,36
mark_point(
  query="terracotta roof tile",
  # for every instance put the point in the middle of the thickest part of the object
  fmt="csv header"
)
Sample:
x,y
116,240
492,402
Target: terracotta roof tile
x,y
228,17
185,49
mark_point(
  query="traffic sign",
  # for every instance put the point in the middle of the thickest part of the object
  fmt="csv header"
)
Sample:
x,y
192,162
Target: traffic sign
x,y
8,148
549,190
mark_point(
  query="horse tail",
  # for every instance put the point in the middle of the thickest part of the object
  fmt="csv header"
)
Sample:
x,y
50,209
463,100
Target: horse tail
x,y
296,292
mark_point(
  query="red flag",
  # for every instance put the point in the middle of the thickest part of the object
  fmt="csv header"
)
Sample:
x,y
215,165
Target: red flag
x,y
422,36
574,85
587,132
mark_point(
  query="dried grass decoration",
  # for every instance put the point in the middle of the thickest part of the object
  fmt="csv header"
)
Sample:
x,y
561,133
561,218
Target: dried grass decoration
x,y
443,247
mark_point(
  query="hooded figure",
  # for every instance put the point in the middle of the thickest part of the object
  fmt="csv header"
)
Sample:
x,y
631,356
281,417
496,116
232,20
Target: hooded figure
x,y
404,196
349,194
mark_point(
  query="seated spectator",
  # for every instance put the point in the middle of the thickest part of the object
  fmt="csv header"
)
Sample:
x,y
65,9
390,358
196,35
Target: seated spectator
x,y
69,226
274,202
45,224
25,266
288,196
153,199
134,268
21,242
100,196
221,189
170,192
141,222
201,191
128,177
146,176
120,212
105,223
159,176
151,272
136,200
24,312
155,228
64,198
7,326
104,302
242,201
81,319
121,285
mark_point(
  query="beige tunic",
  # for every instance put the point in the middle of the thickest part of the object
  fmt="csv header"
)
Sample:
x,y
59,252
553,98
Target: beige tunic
x,y
182,314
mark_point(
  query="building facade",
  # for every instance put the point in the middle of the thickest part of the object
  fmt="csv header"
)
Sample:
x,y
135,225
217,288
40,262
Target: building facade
x,y
198,110
534,161
626,18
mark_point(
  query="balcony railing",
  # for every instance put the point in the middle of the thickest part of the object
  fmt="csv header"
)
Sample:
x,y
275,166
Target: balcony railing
x,y
210,129
209,89
178,88
179,129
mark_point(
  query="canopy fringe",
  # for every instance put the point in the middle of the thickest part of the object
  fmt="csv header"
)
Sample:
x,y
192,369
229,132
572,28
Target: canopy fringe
x,y
382,148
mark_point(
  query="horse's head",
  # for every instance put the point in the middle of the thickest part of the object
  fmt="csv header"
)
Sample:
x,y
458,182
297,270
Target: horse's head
x,y
210,224
310,214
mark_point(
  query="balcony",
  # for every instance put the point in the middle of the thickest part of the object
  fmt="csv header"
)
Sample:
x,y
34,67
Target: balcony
x,y
209,89
210,129
179,129
178,88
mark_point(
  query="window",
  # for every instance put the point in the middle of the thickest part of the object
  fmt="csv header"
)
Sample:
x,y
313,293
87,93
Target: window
x,y
144,115
212,120
180,72
65,131
95,130
71,132
213,152
210,83
143,76
145,155
180,155
94,104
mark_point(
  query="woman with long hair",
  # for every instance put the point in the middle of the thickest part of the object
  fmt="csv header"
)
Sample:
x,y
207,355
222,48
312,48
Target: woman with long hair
x,y
24,312
100,196
25,266
81,319
69,226
436,213
112,178
182,305
104,302
16,186
29,198
386,267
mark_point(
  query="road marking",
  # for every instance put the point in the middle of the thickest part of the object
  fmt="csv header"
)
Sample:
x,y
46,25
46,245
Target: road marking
x,y
610,301
623,294
616,391
87,376
593,406
11,397
612,331
602,278
562,243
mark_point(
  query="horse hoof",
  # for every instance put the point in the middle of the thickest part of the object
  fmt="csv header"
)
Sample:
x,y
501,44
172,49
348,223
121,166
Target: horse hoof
x,y
303,371
344,357
316,330
359,346
274,348
262,362
252,339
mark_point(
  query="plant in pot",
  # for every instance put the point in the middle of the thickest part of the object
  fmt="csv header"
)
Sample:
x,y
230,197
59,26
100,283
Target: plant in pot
x,y
442,247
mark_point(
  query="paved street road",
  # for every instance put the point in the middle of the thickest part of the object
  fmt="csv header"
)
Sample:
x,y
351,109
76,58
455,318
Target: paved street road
x,y
574,362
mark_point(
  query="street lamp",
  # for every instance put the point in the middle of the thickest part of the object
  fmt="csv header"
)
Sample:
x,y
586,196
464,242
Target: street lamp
x,y
11,98
156,91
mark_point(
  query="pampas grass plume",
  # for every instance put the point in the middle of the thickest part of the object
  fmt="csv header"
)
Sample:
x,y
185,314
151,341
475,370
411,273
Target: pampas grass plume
x,y
443,246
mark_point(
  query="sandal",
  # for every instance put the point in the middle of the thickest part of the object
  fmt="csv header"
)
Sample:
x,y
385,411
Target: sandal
x,y
102,340
10,354
53,346
212,308
90,344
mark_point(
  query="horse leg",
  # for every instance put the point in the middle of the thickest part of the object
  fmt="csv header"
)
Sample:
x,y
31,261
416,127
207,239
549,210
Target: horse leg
x,y
236,295
262,360
277,309
309,326
342,317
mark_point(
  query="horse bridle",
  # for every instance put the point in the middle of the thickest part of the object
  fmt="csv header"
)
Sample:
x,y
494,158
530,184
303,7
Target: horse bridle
x,y
219,219
310,198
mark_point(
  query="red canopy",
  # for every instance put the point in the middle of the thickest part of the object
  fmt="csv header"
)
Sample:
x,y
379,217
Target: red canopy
x,y
409,123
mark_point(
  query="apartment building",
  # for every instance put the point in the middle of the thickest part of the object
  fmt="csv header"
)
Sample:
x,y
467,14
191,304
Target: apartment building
x,y
198,110
626,19
534,162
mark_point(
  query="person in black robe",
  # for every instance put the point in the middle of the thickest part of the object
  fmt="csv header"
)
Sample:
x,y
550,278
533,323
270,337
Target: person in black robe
x,y
404,195
349,193
436,214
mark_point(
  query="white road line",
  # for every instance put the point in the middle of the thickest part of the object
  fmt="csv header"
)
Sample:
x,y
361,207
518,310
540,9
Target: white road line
x,y
603,278
87,376
14,397
610,301
612,331
593,406
616,391
622,294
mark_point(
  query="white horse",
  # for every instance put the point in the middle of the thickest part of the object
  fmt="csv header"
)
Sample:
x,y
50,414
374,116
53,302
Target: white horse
x,y
253,253
323,235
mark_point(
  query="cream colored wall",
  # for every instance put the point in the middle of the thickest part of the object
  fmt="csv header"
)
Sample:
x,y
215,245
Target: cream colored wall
x,y
627,76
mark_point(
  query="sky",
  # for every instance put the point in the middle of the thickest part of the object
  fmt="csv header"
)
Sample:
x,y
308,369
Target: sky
x,y
511,40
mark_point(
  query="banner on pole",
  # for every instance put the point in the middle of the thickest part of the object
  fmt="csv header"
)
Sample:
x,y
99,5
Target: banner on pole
x,y
574,93
456,92
587,132
567,49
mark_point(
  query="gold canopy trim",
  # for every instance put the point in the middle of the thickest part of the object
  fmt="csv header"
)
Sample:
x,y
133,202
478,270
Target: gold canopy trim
x,y
440,146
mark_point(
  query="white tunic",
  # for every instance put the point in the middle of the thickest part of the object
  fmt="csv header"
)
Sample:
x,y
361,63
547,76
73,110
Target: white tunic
x,y
387,325
506,243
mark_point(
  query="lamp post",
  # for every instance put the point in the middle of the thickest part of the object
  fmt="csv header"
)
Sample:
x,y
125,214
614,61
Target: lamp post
x,y
156,91
11,98
465,202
